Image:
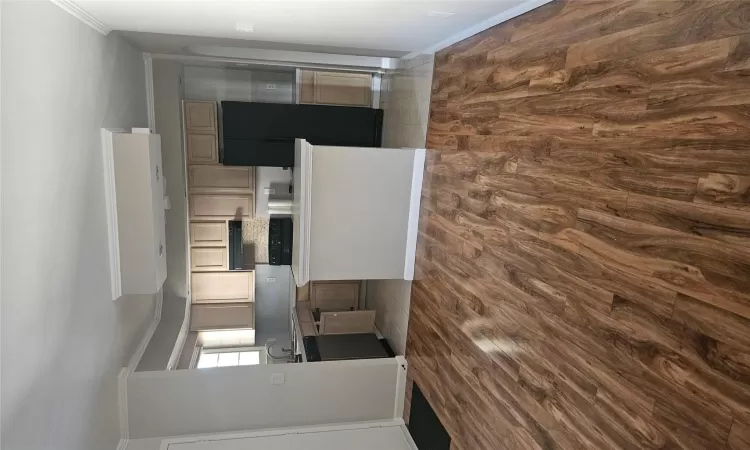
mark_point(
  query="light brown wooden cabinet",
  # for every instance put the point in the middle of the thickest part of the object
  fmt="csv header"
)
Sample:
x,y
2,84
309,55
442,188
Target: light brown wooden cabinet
x,y
346,322
209,258
202,149
223,287
334,295
336,88
222,316
200,117
209,234
221,179
215,207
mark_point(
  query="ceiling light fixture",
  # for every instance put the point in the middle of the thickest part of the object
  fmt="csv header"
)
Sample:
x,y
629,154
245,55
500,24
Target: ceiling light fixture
x,y
440,14
244,27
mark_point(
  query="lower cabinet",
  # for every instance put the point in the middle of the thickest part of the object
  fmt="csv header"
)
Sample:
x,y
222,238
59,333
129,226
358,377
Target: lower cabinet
x,y
223,287
334,295
209,258
222,316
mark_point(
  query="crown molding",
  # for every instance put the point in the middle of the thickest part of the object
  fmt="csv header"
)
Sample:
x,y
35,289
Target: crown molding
x,y
76,11
506,15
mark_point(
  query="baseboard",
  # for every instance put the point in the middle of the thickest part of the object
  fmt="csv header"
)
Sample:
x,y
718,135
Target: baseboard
x,y
403,366
122,406
136,358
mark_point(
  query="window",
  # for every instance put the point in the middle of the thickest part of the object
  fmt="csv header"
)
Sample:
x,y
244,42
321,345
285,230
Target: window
x,y
228,357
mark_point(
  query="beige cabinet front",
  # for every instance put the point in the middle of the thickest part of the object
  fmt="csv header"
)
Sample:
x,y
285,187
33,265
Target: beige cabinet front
x,y
222,316
209,234
220,179
336,88
234,286
202,149
334,295
229,207
200,117
347,322
209,258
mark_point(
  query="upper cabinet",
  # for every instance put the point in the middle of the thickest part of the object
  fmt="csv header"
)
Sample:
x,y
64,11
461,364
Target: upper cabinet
x,y
134,189
200,117
336,88
202,149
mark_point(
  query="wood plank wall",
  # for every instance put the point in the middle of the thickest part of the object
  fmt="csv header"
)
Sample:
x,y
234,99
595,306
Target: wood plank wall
x,y
584,247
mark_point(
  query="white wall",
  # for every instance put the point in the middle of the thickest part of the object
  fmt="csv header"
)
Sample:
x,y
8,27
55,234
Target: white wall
x,y
218,84
181,402
362,212
406,103
63,339
168,96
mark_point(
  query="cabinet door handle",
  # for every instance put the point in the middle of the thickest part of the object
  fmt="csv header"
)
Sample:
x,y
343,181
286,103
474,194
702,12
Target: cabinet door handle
x,y
157,173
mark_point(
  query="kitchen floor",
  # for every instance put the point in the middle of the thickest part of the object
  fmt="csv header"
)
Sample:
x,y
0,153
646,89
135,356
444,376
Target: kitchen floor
x,y
405,98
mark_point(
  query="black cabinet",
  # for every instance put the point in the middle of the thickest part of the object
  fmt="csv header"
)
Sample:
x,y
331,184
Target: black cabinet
x,y
263,134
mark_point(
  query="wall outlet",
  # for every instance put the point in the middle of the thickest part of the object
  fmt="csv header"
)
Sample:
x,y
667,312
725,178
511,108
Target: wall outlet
x,y
271,87
270,280
277,378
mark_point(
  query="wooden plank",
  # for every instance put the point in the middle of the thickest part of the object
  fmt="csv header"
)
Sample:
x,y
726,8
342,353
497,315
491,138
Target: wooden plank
x,y
584,250
724,20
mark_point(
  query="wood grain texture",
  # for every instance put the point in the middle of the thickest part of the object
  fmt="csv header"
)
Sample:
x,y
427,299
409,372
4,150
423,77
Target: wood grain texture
x,y
583,262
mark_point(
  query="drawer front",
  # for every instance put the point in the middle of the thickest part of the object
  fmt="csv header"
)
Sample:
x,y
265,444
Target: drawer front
x,y
223,286
230,207
222,316
335,295
209,258
216,179
209,234
200,116
202,149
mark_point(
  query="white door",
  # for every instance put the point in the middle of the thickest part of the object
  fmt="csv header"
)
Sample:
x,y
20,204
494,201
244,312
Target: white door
x,y
383,438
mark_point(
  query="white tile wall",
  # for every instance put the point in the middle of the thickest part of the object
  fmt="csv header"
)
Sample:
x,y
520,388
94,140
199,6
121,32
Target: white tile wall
x,y
405,98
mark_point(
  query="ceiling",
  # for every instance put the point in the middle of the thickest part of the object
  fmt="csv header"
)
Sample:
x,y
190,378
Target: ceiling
x,y
365,27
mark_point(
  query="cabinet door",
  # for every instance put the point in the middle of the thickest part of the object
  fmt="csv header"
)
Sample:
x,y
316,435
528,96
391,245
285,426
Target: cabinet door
x,y
336,88
157,203
209,258
347,322
307,86
334,295
223,287
221,179
228,207
200,117
209,234
222,316
201,149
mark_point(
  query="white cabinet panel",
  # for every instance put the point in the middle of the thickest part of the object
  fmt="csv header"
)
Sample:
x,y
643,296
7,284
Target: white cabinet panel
x,y
381,438
134,188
